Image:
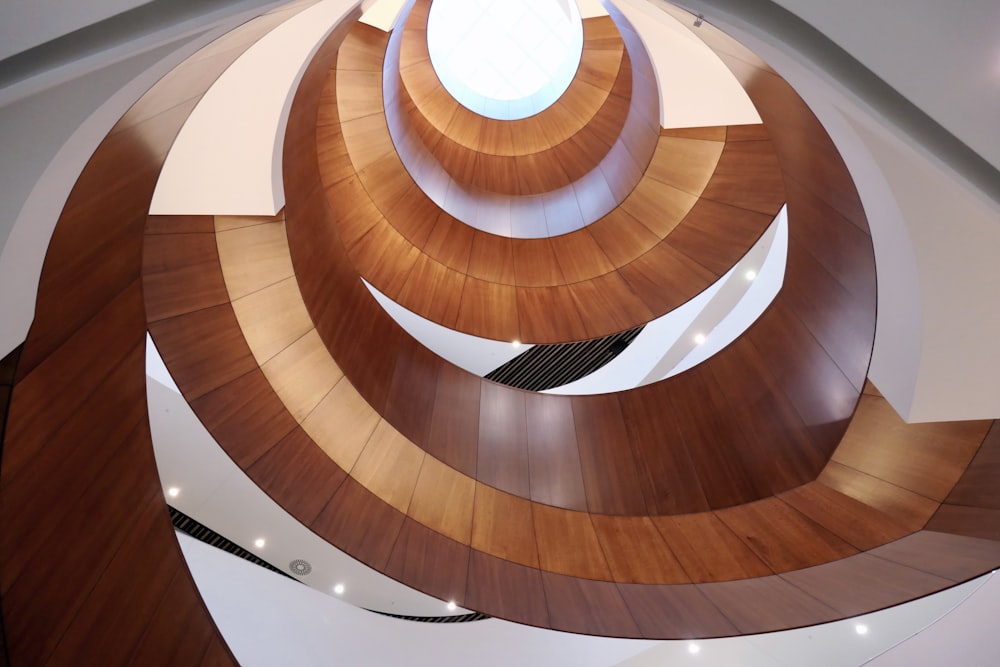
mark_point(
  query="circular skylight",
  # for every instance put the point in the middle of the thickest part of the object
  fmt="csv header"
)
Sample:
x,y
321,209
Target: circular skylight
x,y
505,59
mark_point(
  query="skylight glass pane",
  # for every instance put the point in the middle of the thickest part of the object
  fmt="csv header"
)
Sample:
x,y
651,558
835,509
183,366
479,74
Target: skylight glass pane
x,y
505,59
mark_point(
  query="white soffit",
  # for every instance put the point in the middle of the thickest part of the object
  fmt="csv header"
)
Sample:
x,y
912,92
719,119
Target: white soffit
x,y
381,14
696,88
227,158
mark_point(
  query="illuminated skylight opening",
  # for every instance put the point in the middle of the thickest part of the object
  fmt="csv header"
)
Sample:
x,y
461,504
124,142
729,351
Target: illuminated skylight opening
x,y
505,59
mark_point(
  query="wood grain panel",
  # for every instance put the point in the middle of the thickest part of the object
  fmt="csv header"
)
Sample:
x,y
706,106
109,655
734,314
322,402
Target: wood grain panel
x,y
680,611
686,164
67,477
503,439
862,583
748,176
341,424
859,525
662,460
443,500
215,350
246,414
594,607
782,537
273,318
181,273
636,552
503,526
437,565
66,378
295,468
253,257
708,549
977,486
553,458
568,544
766,604
409,405
358,522
610,476
954,557
454,431
981,522
302,374
925,458
388,466
909,509
500,588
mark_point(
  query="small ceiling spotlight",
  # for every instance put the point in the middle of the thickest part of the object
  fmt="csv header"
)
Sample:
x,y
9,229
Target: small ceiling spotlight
x,y
173,492
693,648
699,338
515,344
699,20
750,275
861,629
452,606
339,589
259,543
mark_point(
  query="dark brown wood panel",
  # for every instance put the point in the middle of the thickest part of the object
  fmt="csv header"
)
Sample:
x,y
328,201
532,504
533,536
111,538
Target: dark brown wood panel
x,y
296,469
435,564
954,557
592,607
507,590
863,583
767,604
681,611
610,475
555,476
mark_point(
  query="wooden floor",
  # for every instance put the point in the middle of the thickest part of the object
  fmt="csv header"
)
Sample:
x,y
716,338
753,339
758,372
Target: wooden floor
x,y
768,488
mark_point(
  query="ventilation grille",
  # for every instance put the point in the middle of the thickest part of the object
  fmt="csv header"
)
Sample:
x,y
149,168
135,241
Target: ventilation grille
x,y
457,618
202,533
546,366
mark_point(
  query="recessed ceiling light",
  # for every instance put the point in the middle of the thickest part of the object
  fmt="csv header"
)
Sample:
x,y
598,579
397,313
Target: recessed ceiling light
x,y
751,274
339,589
861,629
699,338
452,606
173,492
259,543
693,648
515,343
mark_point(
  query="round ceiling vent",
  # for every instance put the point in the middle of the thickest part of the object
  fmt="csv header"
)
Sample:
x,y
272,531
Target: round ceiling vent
x,y
300,567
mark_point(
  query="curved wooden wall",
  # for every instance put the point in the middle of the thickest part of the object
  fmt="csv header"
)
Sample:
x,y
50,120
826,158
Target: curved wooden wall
x,y
78,445
678,230
332,438
91,572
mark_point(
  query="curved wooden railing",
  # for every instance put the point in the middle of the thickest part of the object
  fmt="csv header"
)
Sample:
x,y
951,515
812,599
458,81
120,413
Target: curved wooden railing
x,y
91,571
898,512
677,230
331,437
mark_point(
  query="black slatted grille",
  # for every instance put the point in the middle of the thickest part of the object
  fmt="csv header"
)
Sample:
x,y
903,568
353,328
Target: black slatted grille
x,y
547,366
457,618
203,533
